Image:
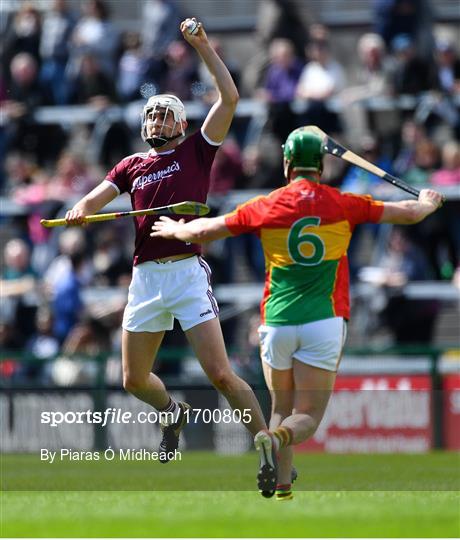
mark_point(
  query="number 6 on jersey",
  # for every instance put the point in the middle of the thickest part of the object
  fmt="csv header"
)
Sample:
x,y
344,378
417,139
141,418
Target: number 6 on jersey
x,y
298,238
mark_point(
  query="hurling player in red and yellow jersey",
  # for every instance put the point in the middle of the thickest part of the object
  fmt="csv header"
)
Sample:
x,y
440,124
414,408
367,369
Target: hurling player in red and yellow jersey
x,y
305,229
170,278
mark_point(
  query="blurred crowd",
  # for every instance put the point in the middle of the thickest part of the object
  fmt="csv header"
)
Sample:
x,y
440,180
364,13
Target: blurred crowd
x,y
60,57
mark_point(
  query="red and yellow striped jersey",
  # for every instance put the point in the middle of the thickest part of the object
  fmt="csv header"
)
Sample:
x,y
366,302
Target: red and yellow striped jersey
x,y
305,229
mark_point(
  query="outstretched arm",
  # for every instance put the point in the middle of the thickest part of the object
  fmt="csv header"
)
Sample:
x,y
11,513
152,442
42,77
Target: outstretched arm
x,y
96,199
411,212
197,231
217,123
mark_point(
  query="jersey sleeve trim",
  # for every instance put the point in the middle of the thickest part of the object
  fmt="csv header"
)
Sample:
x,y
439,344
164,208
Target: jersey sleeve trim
x,y
107,181
208,140
231,222
376,211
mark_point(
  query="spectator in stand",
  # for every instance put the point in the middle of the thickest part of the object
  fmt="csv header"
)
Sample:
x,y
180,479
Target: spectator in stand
x,y
18,286
440,107
372,74
226,174
412,133
160,23
66,298
261,169
410,74
21,172
439,236
95,35
449,174
58,25
410,321
3,139
227,169
9,341
25,95
112,267
360,182
24,87
276,19
42,346
23,36
73,178
321,79
29,186
161,20
447,67
456,278
279,87
17,262
45,195
426,161
411,17
70,242
372,81
131,68
88,337
182,70
92,85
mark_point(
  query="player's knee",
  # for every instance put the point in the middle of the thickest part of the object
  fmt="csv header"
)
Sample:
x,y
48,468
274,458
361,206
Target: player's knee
x,y
133,383
222,380
313,424
310,421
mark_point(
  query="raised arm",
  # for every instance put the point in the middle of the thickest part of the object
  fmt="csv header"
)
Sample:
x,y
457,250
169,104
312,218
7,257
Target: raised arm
x,y
91,203
411,212
219,118
197,231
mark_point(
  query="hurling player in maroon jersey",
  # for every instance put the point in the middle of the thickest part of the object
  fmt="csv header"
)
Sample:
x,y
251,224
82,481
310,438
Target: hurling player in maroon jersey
x,y
170,278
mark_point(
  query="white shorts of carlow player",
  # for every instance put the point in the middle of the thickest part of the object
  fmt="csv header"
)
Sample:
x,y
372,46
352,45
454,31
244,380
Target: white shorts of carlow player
x,y
161,292
317,344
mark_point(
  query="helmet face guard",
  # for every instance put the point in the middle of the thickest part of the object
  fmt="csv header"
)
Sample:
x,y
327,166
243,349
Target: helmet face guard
x,y
303,150
165,103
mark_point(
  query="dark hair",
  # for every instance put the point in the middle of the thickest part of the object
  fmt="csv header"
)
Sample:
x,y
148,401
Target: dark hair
x,y
102,9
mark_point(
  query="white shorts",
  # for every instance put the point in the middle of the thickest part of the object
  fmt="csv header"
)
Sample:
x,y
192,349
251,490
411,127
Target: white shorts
x,y
317,344
160,292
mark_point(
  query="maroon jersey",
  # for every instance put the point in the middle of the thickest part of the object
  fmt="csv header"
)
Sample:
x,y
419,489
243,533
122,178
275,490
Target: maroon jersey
x,y
154,179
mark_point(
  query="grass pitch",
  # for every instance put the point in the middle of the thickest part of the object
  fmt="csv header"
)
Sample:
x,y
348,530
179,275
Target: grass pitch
x,y
427,507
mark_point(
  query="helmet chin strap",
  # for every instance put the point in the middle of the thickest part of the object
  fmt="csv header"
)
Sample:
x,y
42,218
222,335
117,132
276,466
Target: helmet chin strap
x,y
158,142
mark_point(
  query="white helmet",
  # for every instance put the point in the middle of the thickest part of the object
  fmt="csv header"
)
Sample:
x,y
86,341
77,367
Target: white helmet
x,y
169,103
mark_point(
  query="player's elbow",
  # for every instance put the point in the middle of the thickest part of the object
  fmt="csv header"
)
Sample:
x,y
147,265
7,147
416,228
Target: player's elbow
x,y
235,97
231,98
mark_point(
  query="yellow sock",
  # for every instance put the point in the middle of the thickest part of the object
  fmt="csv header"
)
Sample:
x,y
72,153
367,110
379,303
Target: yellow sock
x,y
284,436
283,492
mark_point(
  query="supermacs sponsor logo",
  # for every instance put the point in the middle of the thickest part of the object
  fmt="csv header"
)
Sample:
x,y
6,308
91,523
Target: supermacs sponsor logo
x,y
141,181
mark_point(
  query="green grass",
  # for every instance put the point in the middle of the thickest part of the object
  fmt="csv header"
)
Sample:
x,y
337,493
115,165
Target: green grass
x,y
239,514
437,471
419,496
